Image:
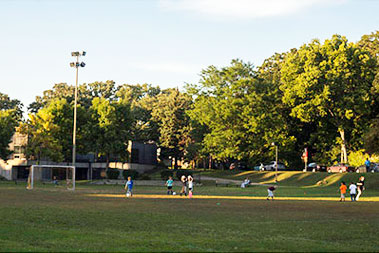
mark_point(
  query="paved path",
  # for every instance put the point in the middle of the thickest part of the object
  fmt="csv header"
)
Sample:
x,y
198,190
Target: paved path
x,y
228,181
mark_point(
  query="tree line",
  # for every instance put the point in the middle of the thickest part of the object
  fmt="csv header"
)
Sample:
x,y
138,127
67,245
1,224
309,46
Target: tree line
x,y
322,96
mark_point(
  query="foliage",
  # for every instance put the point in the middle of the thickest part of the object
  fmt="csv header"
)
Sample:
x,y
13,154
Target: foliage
x,y
330,82
357,158
112,173
167,173
130,173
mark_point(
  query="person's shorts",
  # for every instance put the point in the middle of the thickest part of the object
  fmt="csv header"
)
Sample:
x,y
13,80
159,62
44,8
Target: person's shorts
x,y
270,193
190,189
342,195
169,187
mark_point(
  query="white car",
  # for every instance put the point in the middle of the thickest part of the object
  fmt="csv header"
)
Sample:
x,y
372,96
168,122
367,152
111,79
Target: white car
x,y
271,166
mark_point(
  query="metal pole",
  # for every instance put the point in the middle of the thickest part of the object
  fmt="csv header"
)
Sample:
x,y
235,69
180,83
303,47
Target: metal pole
x,y
75,103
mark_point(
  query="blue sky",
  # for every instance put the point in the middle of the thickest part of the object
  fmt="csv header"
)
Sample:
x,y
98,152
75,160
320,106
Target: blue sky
x,y
161,42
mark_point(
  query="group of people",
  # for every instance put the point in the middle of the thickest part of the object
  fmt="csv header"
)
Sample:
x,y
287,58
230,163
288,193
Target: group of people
x,y
355,190
185,180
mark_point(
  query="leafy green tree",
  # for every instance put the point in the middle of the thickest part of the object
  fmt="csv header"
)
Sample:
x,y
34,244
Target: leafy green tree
x,y
10,116
330,82
169,111
241,111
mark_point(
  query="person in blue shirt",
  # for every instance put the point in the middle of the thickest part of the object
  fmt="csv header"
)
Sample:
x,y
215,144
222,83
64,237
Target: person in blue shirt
x,y
368,164
169,183
129,187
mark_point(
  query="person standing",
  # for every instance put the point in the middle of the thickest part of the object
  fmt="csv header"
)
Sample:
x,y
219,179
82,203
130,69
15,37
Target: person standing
x,y
183,179
270,191
353,191
169,183
343,189
361,186
190,186
367,164
129,187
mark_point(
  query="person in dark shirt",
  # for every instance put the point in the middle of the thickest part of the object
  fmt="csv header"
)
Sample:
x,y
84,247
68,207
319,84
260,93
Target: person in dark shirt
x,y
361,187
270,191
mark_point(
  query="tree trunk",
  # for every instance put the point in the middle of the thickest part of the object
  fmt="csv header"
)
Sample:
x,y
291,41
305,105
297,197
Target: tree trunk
x,y
343,147
176,163
210,162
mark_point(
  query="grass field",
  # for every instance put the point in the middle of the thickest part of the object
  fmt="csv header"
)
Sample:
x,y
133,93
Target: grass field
x,y
53,219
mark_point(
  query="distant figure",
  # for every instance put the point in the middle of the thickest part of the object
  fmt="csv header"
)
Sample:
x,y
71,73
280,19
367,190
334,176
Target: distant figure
x,y
55,181
270,191
190,186
129,187
245,183
183,179
169,183
353,191
367,164
262,167
343,189
361,186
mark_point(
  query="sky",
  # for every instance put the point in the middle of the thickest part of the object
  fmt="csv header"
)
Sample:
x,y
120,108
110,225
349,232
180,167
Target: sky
x,y
165,43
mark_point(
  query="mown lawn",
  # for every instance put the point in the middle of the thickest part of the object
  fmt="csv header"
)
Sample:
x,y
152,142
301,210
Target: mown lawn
x,y
52,219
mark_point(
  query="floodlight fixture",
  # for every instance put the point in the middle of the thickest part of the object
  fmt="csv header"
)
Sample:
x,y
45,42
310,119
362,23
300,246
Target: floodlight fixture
x,y
72,64
75,53
83,53
82,64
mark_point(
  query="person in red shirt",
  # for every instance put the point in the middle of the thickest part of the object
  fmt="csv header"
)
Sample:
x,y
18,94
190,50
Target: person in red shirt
x,y
343,189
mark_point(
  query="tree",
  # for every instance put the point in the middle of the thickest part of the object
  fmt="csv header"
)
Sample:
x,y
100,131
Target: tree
x,y
241,111
330,82
169,111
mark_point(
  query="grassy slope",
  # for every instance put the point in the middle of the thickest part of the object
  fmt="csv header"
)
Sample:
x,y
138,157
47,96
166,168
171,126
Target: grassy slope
x,y
52,219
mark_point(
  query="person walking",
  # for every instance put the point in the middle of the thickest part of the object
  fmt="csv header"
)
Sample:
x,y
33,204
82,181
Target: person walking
x,y
367,164
343,189
183,179
361,186
353,191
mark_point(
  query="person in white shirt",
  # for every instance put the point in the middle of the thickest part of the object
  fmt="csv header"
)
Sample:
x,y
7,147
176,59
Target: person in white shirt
x,y
353,191
190,185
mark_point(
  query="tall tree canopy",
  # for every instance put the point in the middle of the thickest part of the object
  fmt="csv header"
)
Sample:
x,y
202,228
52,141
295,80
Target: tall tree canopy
x,y
330,82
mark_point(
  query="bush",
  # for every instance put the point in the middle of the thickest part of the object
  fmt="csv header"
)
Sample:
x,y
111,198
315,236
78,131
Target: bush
x,y
130,173
3,178
113,173
144,177
180,173
166,173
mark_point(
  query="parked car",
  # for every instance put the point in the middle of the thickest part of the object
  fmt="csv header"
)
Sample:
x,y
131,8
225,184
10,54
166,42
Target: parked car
x,y
315,167
374,167
271,166
340,167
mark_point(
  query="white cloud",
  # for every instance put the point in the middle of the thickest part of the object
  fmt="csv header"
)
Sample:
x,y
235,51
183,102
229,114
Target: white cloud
x,y
244,9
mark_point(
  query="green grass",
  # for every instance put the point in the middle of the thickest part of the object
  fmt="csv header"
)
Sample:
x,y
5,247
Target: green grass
x,y
53,219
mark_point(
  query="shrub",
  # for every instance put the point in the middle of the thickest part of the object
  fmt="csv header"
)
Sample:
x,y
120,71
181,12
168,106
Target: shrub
x,y
113,173
130,173
166,173
144,177
3,178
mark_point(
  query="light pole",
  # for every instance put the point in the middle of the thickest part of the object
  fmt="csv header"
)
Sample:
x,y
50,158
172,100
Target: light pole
x,y
276,160
76,65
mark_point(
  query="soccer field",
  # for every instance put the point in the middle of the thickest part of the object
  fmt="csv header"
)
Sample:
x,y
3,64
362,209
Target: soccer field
x,y
53,219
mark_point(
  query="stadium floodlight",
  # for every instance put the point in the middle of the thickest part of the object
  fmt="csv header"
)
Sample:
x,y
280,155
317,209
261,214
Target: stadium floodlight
x,y
72,64
76,65
46,172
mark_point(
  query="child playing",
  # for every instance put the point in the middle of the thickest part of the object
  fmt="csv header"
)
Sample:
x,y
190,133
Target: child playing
x,y
343,189
169,183
270,191
183,179
190,186
129,187
353,191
